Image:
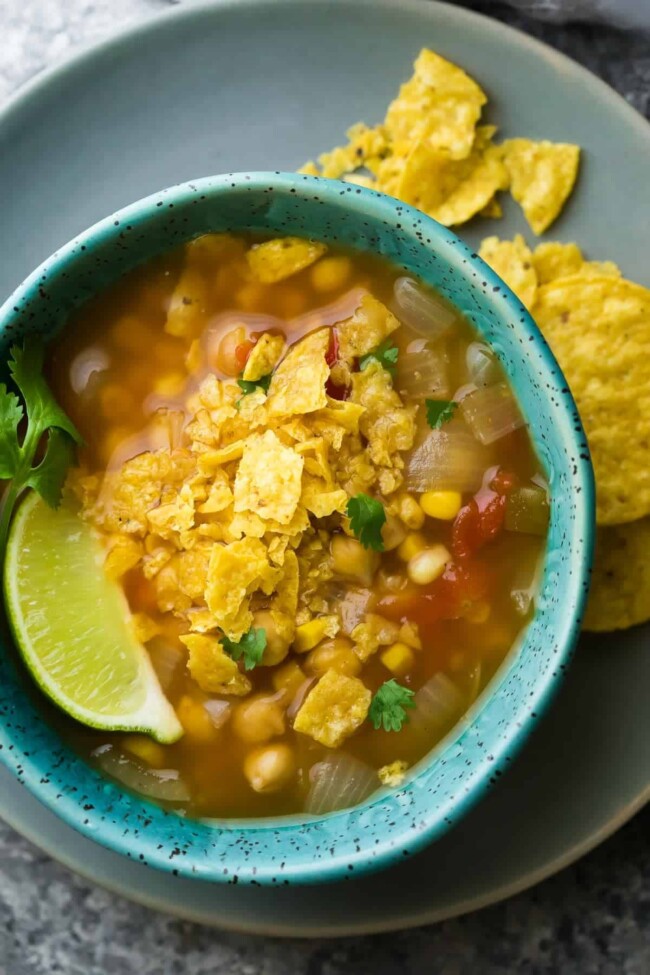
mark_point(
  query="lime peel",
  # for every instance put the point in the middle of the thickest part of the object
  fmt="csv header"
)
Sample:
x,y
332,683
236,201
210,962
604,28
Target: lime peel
x,y
72,625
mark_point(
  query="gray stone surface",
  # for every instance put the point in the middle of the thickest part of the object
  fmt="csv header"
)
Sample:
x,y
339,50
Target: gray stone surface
x,y
592,919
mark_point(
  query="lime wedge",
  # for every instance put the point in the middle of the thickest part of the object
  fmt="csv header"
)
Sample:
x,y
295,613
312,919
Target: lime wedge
x,y
72,625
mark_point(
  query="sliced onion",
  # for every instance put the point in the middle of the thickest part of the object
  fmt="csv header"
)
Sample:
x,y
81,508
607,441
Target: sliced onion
x,y
424,312
165,785
219,711
423,372
491,412
438,705
482,366
167,659
527,582
338,782
527,510
353,608
448,459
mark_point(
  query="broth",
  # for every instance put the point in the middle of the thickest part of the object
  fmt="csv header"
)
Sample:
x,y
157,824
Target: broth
x,y
127,383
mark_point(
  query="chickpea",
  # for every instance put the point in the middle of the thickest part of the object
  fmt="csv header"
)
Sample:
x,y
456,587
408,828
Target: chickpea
x,y
393,533
226,359
258,719
276,646
330,273
336,654
269,768
411,513
352,561
428,565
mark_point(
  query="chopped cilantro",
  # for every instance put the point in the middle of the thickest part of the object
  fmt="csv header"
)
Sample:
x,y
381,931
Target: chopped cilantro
x,y
45,419
440,411
250,385
385,354
388,706
367,516
251,647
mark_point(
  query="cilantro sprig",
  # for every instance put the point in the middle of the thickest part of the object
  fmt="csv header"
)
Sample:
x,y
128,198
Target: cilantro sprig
x,y
367,516
385,354
47,427
389,705
440,411
250,648
248,386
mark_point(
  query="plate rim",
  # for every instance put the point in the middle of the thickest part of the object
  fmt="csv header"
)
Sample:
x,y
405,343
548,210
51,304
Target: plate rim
x,y
86,52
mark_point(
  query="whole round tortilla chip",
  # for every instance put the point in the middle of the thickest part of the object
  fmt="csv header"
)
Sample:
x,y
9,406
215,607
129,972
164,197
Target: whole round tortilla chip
x,y
599,330
620,586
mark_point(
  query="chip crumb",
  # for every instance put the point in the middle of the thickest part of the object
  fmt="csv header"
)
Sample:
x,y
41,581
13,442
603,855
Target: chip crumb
x,y
334,709
393,775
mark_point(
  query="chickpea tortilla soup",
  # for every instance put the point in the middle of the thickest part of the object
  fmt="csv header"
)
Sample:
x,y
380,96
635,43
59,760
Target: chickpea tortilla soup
x,y
282,513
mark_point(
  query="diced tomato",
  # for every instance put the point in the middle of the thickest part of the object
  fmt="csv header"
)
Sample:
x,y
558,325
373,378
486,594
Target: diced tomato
x,y
504,482
242,352
482,518
332,354
448,598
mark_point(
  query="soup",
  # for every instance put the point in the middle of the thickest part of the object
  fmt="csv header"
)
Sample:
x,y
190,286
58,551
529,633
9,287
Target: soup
x,y
322,504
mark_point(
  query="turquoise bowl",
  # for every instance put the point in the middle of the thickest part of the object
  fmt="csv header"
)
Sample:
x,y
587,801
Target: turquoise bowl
x,y
443,786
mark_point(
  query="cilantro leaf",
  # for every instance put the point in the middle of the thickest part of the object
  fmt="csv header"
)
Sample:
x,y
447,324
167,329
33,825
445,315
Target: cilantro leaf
x,y
11,413
367,516
388,706
250,648
250,385
385,354
45,418
49,477
43,411
439,411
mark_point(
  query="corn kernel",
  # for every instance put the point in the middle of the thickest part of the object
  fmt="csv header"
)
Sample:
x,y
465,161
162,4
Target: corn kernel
x,y
330,273
150,752
310,634
398,658
169,384
428,565
443,505
195,719
411,513
412,544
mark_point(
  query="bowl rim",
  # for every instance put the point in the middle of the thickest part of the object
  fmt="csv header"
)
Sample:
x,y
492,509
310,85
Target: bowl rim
x,y
351,859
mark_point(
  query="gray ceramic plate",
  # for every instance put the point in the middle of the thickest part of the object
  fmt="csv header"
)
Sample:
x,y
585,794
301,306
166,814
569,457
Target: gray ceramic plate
x,y
268,83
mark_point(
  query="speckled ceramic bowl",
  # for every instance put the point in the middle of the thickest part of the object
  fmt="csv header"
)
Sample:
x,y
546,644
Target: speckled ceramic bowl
x,y
393,824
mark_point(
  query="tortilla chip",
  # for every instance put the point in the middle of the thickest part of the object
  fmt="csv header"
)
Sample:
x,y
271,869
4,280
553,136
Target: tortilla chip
x,y
211,667
620,581
263,357
320,500
298,384
440,104
554,260
542,174
268,480
364,143
452,192
492,210
512,261
599,329
371,323
278,259
334,709
234,572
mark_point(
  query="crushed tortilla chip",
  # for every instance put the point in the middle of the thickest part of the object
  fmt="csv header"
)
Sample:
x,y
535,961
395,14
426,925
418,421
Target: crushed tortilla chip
x,y
542,175
512,261
554,260
211,667
278,259
268,480
393,775
371,323
599,330
373,633
298,384
187,304
124,552
146,628
234,572
364,143
264,357
334,709
320,501
620,580
440,104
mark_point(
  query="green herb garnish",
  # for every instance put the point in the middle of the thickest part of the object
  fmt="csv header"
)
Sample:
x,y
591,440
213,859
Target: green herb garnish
x,y
385,354
250,648
45,418
367,516
250,385
440,411
388,706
